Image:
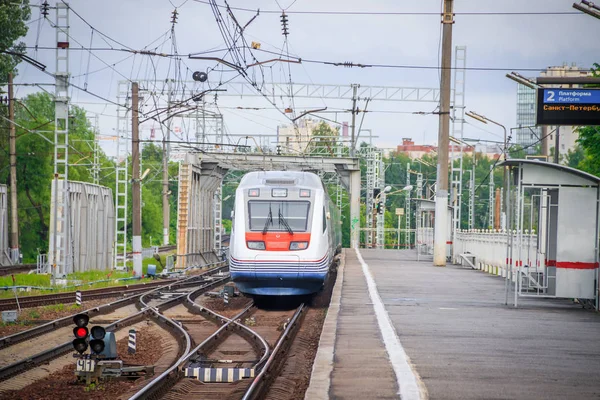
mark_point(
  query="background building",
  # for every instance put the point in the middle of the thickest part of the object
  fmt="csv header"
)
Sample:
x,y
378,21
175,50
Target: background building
x,y
527,133
295,140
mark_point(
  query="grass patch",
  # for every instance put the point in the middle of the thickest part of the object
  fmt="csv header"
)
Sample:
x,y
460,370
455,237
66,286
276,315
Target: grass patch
x,y
83,277
148,261
26,280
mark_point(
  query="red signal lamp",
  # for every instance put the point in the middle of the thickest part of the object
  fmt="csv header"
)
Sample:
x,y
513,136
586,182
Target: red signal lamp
x,y
80,332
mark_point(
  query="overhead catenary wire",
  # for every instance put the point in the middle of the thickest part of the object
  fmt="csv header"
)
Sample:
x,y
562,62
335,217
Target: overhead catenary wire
x,y
401,13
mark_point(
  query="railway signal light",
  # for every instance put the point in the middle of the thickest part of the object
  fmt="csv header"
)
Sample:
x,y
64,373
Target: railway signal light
x,y
97,343
96,338
81,332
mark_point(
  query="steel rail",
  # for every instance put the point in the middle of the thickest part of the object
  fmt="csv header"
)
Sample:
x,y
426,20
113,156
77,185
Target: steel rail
x,y
226,321
47,355
90,294
258,385
15,338
157,384
97,311
16,268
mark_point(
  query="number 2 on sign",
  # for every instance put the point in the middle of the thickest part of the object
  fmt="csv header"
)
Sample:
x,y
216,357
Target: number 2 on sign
x,y
550,95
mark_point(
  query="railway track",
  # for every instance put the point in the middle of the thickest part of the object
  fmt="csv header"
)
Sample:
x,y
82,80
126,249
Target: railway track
x,y
31,361
90,294
232,346
16,269
20,268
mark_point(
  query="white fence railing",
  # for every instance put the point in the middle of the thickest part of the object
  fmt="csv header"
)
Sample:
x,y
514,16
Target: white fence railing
x,y
489,247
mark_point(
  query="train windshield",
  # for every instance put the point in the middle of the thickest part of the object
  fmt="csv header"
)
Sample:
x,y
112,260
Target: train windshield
x,y
264,216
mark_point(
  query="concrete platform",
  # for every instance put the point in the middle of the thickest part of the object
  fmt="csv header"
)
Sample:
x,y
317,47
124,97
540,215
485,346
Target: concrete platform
x,y
455,334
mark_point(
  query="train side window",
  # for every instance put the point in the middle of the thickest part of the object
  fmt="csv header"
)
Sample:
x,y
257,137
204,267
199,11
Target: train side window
x,y
324,220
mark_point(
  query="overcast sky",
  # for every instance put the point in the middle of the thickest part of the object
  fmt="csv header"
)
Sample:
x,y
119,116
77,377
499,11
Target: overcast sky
x,y
509,42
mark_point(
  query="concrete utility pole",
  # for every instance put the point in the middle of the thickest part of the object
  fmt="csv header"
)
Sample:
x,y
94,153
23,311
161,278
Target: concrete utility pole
x,y
135,182
14,216
441,196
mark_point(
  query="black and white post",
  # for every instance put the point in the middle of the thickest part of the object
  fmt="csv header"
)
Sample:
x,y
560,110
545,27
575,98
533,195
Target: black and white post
x,y
78,298
225,297
131,344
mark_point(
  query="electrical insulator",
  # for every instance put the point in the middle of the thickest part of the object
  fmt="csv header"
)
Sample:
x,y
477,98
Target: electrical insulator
x,y
45,8
284,24
174,17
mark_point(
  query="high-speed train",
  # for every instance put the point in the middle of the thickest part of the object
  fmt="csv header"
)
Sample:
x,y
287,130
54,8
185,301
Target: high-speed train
x,y
285,234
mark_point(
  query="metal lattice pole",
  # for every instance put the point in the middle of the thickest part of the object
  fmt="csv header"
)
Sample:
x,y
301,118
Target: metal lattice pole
x,y
217,212
379,183
407,207
471,198
59,242
458,118
369,195
122,181
96,164
491,198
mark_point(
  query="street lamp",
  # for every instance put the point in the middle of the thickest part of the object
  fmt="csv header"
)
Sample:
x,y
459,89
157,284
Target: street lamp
x,y
485,120
522,80
385,190
591,8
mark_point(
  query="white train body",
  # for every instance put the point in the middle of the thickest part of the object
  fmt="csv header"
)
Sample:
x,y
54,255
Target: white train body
x,y
285,233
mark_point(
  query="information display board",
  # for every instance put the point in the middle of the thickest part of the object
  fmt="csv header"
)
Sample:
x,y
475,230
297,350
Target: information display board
x,y
565,106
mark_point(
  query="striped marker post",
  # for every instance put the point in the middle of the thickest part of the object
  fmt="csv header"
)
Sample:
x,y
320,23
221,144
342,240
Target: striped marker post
x,y
131,345
226,298
78,298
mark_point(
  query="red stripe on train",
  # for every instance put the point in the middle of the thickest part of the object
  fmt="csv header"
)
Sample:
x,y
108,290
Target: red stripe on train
x,y
277,241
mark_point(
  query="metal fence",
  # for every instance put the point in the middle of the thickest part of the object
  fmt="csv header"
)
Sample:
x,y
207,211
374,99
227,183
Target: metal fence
x,y
489,250
91,228
149,252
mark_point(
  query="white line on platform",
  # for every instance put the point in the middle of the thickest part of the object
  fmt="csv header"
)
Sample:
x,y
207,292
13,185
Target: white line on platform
x,y
407,378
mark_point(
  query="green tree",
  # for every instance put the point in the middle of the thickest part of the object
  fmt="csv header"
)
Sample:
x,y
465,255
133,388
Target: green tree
x,y
516,151
589,140
576,156
13,15
34,117
324,140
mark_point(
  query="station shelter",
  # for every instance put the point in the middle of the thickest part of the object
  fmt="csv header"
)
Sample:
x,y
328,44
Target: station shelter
x,y
553,222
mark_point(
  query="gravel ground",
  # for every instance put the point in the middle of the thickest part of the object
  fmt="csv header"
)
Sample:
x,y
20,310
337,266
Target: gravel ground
x,y
216,304
294,374
63,384
34,316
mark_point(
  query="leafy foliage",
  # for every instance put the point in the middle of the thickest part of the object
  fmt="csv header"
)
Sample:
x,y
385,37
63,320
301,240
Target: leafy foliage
x,y
13,15
34,119
589,140
324,140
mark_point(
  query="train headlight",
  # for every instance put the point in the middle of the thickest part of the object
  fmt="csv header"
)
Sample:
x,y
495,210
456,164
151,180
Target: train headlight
x,y
256,245
254,193
279,192
304,192
298,245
